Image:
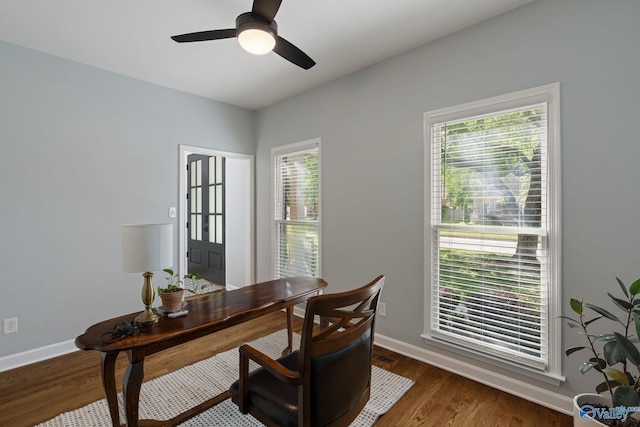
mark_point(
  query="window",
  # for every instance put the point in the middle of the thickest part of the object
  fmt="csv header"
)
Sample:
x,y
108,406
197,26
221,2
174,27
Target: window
x,y
296,196
492,229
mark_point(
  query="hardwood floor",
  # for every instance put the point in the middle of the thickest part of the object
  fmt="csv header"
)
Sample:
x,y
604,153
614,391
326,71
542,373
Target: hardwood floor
x,y
38,392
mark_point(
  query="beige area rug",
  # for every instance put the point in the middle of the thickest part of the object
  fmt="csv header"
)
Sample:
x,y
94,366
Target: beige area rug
x,y
204,380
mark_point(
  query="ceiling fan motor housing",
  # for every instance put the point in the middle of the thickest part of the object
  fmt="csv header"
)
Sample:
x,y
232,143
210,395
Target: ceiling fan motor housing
x,y
249,21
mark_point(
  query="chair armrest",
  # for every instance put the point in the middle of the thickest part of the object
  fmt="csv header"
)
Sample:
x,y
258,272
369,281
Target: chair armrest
x,y
272,366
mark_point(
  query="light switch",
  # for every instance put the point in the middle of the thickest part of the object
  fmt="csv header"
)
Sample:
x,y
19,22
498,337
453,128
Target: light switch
x,y
172,212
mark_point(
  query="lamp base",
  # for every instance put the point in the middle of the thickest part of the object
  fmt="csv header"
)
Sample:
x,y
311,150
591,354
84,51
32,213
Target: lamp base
x,y
146,320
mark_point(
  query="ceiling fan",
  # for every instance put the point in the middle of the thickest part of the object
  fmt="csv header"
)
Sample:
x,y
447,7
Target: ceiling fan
x,y
257,33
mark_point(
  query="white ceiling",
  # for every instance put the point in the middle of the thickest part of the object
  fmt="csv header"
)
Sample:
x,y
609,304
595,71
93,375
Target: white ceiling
x,y
131,37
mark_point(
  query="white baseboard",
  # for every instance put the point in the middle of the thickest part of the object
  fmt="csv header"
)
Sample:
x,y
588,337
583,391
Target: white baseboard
x,y
556,401
538,395
36,355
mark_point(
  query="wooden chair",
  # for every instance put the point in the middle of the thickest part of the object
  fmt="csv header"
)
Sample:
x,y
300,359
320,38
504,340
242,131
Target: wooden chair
x,y
328,381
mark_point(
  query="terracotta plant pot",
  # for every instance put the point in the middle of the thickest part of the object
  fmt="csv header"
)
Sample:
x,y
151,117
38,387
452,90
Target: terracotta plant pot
x,y
172,301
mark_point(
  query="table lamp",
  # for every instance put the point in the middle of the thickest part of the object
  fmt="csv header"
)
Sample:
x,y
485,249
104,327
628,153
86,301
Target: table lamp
x,y
147,248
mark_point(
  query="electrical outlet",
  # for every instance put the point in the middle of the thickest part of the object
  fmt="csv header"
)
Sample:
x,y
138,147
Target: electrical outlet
x,y
10,325
382,309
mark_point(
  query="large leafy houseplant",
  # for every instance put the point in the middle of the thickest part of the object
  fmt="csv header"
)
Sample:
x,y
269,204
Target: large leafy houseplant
x,y
614,354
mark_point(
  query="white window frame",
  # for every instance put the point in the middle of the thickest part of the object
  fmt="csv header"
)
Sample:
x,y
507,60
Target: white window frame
x,y
551,369
276,222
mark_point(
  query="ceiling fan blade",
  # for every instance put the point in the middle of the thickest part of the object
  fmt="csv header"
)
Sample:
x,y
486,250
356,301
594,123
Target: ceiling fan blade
x,y
205,35
293,54
266,8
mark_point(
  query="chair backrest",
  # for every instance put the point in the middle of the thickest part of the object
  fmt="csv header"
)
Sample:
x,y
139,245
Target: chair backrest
x,y
335,358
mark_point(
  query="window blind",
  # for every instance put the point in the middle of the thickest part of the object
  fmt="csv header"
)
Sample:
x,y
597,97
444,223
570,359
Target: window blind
x,y
489,233
297,212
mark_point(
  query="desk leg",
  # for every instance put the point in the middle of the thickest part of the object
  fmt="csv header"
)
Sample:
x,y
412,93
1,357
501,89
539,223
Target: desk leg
x,y
132,384
289,331
109,384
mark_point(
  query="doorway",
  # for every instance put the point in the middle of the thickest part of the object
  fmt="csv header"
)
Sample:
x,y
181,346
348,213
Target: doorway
x,y
215,233
206,217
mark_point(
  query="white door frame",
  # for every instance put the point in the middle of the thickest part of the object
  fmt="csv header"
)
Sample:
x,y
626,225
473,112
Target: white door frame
x,y
248,245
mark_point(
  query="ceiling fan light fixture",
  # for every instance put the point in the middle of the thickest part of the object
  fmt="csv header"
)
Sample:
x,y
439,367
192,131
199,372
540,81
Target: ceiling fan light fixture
x,y
256,41
255,34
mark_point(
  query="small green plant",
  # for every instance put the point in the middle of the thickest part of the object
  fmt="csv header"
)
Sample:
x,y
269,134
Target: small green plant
x,y
612,354
174,282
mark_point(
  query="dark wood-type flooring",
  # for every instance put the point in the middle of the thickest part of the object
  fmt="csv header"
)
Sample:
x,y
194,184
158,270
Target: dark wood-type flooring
x,y
32,394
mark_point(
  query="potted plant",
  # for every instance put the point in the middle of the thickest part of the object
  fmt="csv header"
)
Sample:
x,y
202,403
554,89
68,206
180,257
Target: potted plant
x,y
172,294
612,355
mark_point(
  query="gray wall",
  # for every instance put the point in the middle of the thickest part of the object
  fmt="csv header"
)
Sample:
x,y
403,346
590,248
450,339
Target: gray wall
x,y
371,125
83,151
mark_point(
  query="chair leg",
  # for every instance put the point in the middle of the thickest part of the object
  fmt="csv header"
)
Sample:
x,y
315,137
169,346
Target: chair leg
x,y
243,392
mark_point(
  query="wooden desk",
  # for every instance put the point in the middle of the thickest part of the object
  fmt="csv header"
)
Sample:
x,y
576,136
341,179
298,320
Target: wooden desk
x,y
207,314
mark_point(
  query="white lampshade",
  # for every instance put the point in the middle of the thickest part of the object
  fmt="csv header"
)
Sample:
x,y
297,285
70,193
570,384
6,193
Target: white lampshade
x,y
147,247
256,41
